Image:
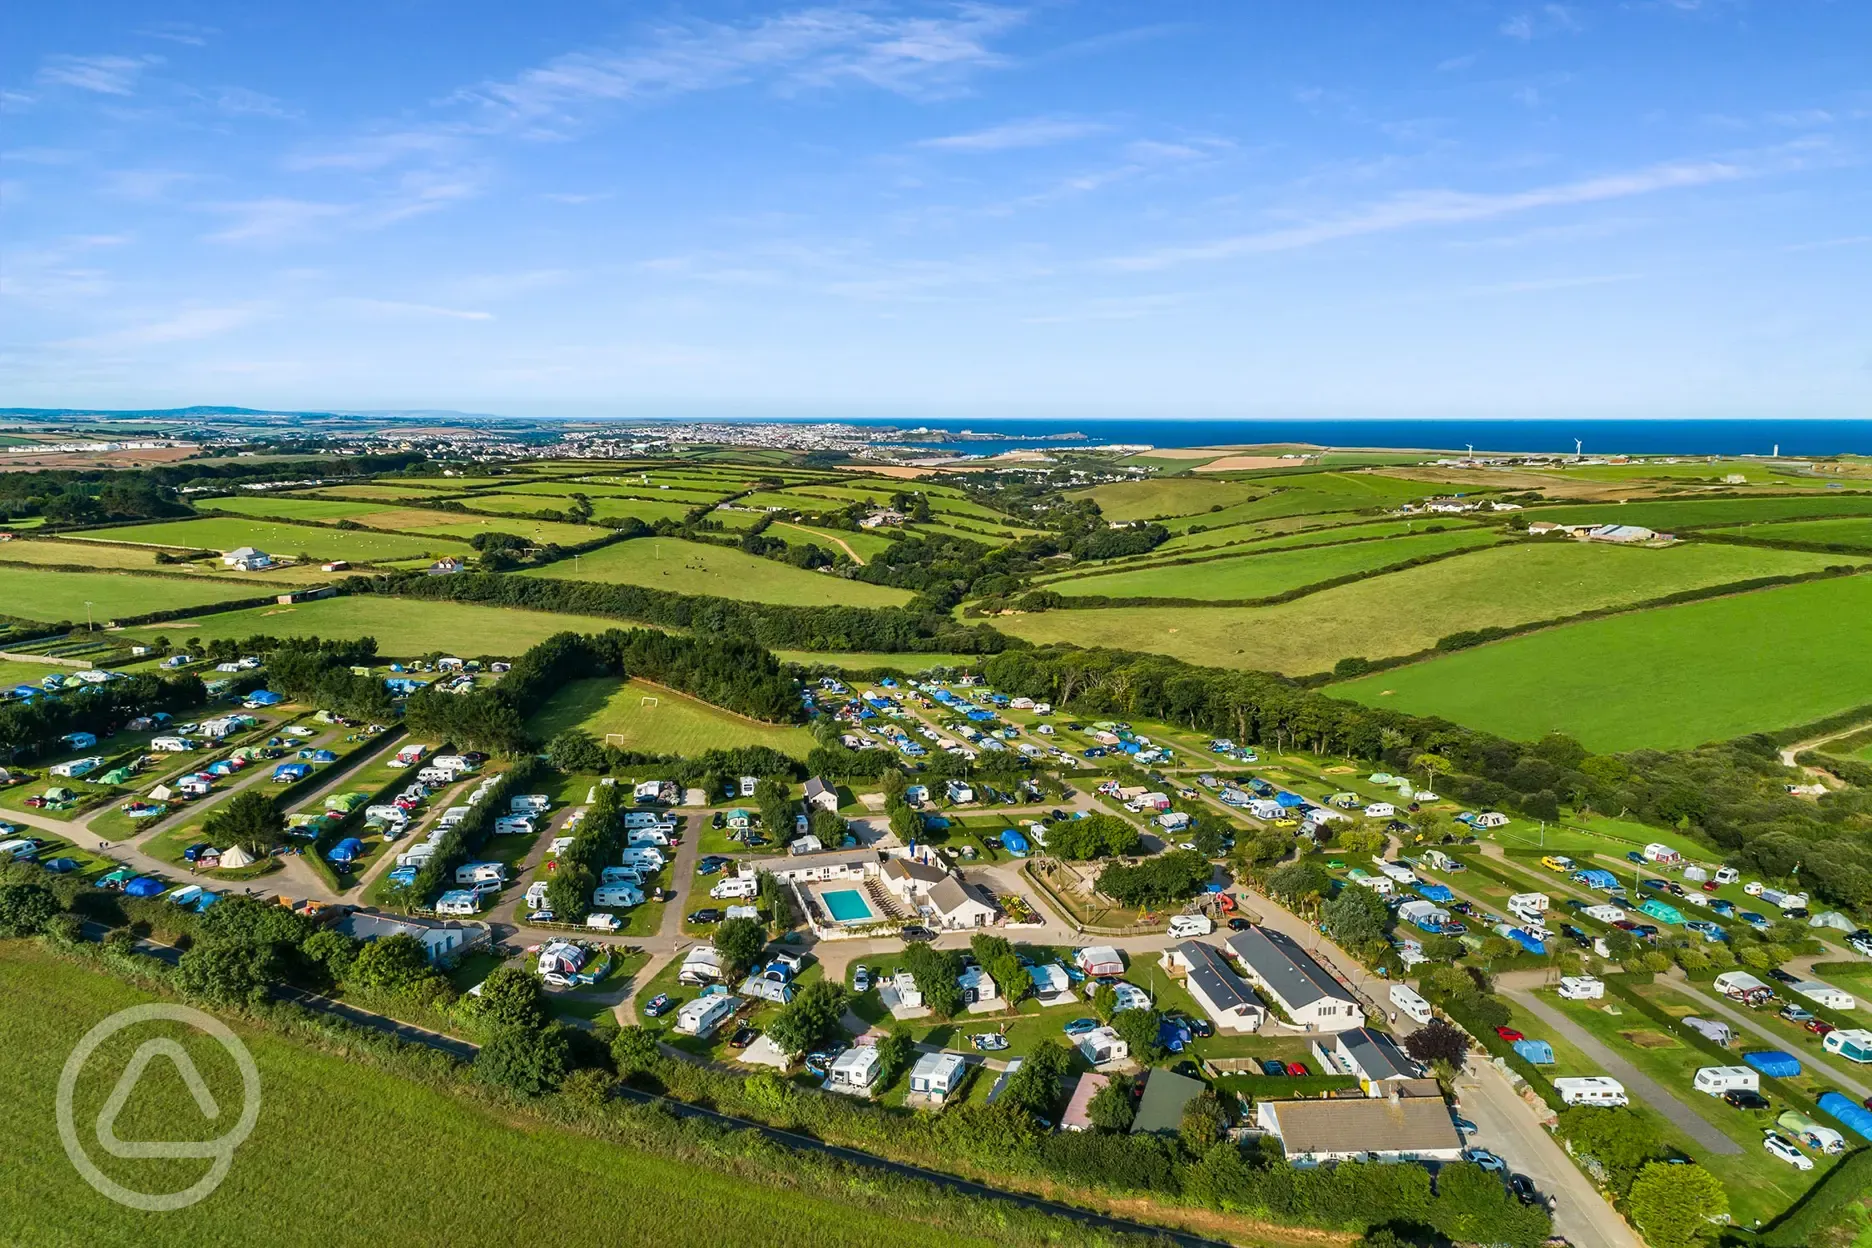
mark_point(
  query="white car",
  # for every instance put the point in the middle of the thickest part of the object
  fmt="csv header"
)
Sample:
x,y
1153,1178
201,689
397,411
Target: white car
x,y
1779,1147
1487,1160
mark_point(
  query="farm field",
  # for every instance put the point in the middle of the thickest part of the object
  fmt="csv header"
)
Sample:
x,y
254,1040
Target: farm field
x,y
603,507
403,627
676,724
1706,513
1314,531
1673,677
368,493
19,672
724,572
1264,575
39,594
455,524
1854,533
355,1103
226,533
96,555
1176,496
284,507
623,488
1407,611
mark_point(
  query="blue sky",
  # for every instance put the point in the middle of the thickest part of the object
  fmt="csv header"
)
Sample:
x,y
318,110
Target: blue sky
x,y
1237,208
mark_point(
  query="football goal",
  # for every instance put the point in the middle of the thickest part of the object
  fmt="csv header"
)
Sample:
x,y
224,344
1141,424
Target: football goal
x,y
648,699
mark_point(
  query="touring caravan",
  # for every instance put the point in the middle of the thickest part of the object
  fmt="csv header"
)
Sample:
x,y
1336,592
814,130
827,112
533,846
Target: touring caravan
x,y
1716,1080
1852,1043
1713,1030
1592,1090
1410,1004
620,895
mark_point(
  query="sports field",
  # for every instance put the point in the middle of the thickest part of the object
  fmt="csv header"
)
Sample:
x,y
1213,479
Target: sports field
x,y
636,715
722,571
1856,533
1264,575
1407,611
226,533
306,1174
1674,677
1666,515
38,594
403,627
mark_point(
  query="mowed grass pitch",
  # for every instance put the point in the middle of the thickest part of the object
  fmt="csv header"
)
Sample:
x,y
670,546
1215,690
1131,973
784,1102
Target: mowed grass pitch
x,y
672,724
39,594
225,533
1264,575
312,1171
723,572
1668,678
1407,611
403,627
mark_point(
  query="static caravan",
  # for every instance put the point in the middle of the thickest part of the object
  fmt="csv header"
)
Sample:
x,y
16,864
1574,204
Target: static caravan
x,y
703,1015
1825,994
1716,1080
1592,1090
1410,1004
1852,1043
1605,914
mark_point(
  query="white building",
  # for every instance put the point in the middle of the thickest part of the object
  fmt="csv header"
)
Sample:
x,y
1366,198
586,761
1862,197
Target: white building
x,y
1294,981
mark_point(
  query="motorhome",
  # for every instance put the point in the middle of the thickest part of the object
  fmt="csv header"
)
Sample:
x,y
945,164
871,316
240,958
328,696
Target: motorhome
x,y
734,889
1184,926
529,804
644,858
1531,907
620,875
1581,987
1592,1090
513,825
1410,1004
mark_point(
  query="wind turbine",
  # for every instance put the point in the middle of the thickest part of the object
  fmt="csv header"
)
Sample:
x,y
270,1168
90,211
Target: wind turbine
x,y
1579,449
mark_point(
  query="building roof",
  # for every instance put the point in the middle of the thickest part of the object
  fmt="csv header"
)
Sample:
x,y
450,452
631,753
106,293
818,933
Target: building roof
x,y
941,1067
815,786
952,894
1288,971
1210,972
1377,1055
911,869
828,858
1078,1115
1165,1095
1373,1124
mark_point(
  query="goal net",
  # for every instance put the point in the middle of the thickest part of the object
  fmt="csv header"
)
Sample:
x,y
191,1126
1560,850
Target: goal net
x,y
647,700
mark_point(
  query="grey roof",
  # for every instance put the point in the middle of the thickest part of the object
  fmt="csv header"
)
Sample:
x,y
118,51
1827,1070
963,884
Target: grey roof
x,y
1365,1125
952,894
1165,1095
910,868
816,786
1210,971
1377,1055
1287,970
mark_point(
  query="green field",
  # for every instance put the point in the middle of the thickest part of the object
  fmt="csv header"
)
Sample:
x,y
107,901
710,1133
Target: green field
x,y
603,508
19,672
909,663
1856,534
1263,576
1668,678
282,507
865,544
1407,611
457,525
722,571
96,555
225,533
1172,496
1321,529
1666,515
312,1170
369,493
403,627
38,594
616,711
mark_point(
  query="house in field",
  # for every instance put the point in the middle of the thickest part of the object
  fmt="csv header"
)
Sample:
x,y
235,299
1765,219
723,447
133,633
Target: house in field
x,y
1224,996
821,795
1388,1128
955,903
1295,981
247,559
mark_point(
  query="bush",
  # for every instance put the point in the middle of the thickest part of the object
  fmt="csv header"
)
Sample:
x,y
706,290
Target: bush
x,y
526,1060
25,909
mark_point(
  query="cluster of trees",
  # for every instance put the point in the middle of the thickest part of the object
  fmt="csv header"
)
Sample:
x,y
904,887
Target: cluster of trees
x,y
995,955
1155,881
1673,1204
85,496
810,1018
28,727
1095,836
596,844
320,673
578,751
250,819
1131,539
837,628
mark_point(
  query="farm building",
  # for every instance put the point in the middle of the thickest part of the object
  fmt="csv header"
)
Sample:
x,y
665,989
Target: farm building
x,y
1385,1129
1297,983
1223,995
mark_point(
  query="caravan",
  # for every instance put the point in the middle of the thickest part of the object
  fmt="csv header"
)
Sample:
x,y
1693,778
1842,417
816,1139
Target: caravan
x,y
1716,1080
1410,1004
513,825
1184,926
622,896
1592,1090
644,858
1581,987
736,889
1528,907
481,873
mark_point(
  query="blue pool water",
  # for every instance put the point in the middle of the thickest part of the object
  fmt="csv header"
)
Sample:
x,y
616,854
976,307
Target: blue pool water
x,y
846,904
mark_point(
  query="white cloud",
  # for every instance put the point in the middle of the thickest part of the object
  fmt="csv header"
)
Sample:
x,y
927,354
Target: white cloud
x,y
1013,135
1416,209
394,307
106,75
188,325
179,32
1548,19
274,220
242,102
376,151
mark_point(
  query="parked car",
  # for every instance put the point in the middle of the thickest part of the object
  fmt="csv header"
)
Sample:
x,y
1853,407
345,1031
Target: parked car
x,y
1297,1070
1080,1026
659,1005
1487,1160
1655,885
542,916
745,1036
1466,1127
1509,1034
989,1041
1576,936
1795,1013
1523,1188
1274,1068
1239,925
1744,1098
918,933
861,979
706,915
1779,1146
1632,855
1776,973
1819,1027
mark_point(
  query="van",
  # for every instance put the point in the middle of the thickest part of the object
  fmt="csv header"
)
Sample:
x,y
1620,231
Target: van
x,y
1184,926
1592,1090
735,888
1410,1004
603,921
529,804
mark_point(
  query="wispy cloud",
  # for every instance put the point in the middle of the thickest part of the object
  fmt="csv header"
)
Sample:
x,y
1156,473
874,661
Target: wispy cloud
x,y
1110,308
1826,244
188,325
369,152
105,75
1013,135
576,197
1548,19
179,32
1454,63
243,102
144,184
1419,209
274,220
395,307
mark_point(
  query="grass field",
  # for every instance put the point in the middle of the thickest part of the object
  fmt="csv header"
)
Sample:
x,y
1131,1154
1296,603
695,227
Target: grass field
x,y
866,544
1255,538
403,627
305,1176
1856,533
282,507
1672,677
697,568
1666,515
18,672
1169,496
603,508
226,533
38,594
1407,611
675,724
96,555
369,493
1263,575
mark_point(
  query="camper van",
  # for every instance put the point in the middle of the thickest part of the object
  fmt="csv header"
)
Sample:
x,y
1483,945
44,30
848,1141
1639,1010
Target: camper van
x,y
648,836
1592,1090
481,873
1410,1004
1581,987
1716,1080
736,888
513,825
622,896
530,804
603,921
1184,926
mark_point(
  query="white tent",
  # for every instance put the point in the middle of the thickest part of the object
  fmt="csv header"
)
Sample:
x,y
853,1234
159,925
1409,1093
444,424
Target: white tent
x,y
234,856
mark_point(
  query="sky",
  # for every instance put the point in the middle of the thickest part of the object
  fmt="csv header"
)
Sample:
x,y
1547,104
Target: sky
x,y
1212,208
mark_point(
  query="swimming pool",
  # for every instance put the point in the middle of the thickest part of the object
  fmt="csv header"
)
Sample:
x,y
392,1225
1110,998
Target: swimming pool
x,y
847,905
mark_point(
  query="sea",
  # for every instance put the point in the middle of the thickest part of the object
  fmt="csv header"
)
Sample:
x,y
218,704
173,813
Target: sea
x,y
1786,438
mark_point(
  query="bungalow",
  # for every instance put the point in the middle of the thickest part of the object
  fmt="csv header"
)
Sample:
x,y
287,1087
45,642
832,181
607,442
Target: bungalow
x,y
854,1070
937,1075
1223,994
247,559
1078,1115
1386,1129
955,903
1166,1095
1102,1046
821,796
442,942
910,879
446,567
1310,996
831,864
1371,1055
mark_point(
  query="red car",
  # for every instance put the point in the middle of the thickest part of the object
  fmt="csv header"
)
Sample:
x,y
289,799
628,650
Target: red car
x,y
1297,1069
1709,886
1817,1027
1509,1034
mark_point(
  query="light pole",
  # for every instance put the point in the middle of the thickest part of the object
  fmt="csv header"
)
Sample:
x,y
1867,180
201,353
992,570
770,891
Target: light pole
x,y
89,627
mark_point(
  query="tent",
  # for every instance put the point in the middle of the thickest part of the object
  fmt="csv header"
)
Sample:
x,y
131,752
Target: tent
x,y
235,857
1535,1052
345,850
144,886
1854,1117
1774,1063
318,756
1014,843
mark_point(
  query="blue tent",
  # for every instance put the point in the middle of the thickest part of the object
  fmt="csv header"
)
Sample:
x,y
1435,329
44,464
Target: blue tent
x,y
1014,843
61,866
1774,1063
1537,1052
144,886
1435,892
1288,801
1593,877
1851,1116
265,697
346,850
292,771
